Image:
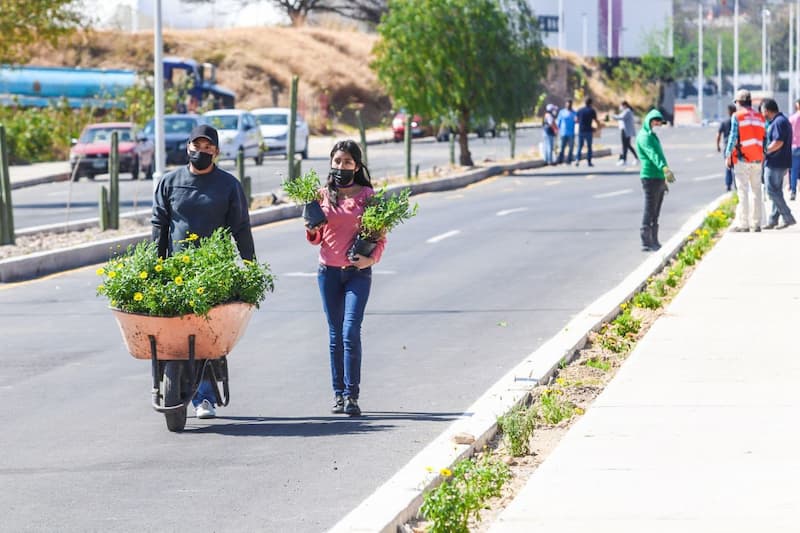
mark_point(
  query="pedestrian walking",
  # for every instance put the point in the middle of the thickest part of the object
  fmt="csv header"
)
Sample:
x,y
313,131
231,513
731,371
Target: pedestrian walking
x,y
723,133
627,132
566,131
744,153
550,132
794,120
197,199
344,281
778,155
654,174
587,125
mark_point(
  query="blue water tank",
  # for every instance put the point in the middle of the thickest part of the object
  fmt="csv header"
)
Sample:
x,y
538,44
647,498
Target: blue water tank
x,y
56,82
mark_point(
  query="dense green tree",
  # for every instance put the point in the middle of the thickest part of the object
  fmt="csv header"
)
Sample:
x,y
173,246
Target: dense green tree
x,y
465,59
24,23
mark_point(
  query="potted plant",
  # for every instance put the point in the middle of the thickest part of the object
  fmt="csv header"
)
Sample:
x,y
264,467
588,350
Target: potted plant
x,y
381,215
305,190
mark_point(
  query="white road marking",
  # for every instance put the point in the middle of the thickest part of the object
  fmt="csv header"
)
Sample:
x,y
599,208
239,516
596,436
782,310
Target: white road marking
x,y
706,178
613,193
505,212
552,182
443,236
314,274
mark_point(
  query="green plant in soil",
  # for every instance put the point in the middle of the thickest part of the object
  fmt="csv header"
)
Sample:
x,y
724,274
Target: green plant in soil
x,y
384,212
625,325
552,407
599,364
463,493
303,189
517,427
645,300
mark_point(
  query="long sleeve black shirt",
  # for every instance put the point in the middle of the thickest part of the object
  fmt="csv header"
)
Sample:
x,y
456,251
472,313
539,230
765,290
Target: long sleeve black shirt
x,y
187,203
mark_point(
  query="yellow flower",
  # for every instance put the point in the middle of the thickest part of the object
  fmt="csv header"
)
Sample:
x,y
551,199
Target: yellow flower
x,y
191,303
192,237
178,280
159,268
579,410
429,468
445,472
143,274
112,274
101,287
185,259
113,303
201,290
247,262
160,259
138,296
561,381
100,271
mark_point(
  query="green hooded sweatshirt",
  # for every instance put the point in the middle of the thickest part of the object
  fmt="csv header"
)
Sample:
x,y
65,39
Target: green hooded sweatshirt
x,y
649,149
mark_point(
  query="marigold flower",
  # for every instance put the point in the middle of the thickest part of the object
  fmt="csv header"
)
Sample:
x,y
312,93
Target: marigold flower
x,y
192,237
185,259
445,472
429,468
579,410
159,268
201,290
138,297
100,271
191,303
178,280
112,274
143,274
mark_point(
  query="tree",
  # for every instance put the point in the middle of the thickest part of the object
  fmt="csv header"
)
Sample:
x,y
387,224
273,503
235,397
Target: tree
x,y
462,58
298,10
27,22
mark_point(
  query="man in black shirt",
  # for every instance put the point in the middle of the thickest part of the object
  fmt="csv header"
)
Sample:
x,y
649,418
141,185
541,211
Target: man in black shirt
x,y
199,198
722,135
587,119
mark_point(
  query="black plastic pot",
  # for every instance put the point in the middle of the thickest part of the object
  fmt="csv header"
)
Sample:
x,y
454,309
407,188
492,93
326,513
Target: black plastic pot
x,y
362,247
313,214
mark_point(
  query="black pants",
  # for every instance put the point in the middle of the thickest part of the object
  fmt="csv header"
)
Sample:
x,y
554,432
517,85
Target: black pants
x,y
654,190
626,145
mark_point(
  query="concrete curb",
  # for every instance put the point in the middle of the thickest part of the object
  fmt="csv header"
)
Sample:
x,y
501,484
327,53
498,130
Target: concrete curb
x,y
44,263
398,500
60,176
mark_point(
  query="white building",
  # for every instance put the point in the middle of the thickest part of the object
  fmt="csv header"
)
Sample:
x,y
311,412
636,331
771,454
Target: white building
x,y
637,26
135,15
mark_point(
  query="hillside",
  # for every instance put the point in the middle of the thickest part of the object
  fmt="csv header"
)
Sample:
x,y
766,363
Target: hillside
x,y
333,65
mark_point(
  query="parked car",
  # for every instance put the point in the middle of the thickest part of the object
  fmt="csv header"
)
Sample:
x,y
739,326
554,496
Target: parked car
x,y
237,129
481,127
399,126
177,128
274,125
89,153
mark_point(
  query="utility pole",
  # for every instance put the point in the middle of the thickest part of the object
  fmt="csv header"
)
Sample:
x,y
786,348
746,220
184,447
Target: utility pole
x,y
585,38
158,71
610,18
735,46
791,57
700,62
719,77
561,34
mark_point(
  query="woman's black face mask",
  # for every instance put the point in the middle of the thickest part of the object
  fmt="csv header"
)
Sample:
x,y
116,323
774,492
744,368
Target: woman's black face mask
x,y
343,177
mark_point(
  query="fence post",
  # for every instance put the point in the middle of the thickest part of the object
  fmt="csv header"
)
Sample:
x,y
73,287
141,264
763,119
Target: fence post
x,y
113,182
103,201
292,127
240,164
512,137
6,206
407,139
362,132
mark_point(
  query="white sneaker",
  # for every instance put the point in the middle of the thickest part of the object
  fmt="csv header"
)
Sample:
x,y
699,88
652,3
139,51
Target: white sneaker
x,y
620,163
205,410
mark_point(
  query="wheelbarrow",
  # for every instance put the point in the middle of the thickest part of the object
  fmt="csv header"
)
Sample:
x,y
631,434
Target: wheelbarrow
x,y
184,350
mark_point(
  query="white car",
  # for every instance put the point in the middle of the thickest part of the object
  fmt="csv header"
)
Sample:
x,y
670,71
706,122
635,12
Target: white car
x,y
237,128
274,125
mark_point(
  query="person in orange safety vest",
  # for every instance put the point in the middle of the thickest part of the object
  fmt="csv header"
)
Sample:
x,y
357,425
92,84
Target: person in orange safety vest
x,y
745,151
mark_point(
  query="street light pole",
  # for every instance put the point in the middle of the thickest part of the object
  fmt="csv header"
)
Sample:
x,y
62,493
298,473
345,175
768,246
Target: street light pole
x,y
158,71
719,77
764,49
700,61
791,56
735,45
609,19
561,34
585,39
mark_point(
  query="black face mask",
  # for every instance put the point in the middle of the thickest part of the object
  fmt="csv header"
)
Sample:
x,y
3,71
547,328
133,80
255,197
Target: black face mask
x,y
343,177
200,160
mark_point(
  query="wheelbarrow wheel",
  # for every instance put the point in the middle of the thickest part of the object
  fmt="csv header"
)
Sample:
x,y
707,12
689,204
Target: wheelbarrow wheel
x,y
171,393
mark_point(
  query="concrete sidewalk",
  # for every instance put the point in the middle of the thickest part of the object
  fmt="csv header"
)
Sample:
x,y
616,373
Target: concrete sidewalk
x,y
698,432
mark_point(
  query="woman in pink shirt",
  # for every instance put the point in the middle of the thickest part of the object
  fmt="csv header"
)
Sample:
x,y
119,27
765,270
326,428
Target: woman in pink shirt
x,y
344,281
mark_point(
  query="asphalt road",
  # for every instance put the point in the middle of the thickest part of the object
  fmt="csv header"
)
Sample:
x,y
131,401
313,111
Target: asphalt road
x,y
481,278
61,202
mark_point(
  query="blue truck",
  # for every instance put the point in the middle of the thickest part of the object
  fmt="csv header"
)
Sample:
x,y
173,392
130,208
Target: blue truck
x,y
31,86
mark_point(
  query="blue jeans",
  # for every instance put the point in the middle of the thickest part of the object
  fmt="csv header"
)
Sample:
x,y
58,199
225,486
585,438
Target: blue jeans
x,y
728,178
795,170
585,138
548,148
775,192
204,392
566,140
344,297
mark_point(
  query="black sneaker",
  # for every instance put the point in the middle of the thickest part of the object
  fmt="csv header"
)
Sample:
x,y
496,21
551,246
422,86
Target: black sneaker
x,y
338,404
793,197
771,225
351,407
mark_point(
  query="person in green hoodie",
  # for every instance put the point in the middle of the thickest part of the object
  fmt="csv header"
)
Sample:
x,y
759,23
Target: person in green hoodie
x,y
654,174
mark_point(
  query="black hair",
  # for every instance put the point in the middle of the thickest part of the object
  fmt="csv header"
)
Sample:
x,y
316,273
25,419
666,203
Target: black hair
x,y
732,108
625,103
797,102
361,176
770,105
588,100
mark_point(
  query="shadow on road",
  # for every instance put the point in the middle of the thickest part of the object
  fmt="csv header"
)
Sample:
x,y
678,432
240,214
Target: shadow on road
x,y
313,426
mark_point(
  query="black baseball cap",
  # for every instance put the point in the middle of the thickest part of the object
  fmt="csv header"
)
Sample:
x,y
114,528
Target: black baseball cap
x,y
205,131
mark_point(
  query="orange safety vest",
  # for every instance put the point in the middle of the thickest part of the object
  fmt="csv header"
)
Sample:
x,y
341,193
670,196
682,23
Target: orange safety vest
x,y
751,135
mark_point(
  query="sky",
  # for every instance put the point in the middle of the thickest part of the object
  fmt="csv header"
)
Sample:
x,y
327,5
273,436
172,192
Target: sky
x,y
179,14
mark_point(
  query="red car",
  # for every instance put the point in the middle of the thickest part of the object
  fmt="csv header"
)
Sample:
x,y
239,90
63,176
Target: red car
x,y
399,126
89,153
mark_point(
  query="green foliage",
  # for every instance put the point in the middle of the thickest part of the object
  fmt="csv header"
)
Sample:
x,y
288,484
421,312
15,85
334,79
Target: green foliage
x,y
517,428
645,300
625,325
600,364
469,58
303,189
206,273
552,408
463,493
24,23
384,212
